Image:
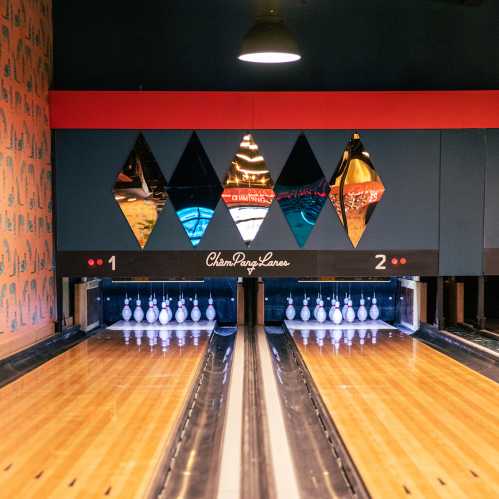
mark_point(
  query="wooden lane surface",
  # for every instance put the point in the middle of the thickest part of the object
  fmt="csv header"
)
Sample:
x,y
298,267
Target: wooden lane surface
x,y
96,420
416,422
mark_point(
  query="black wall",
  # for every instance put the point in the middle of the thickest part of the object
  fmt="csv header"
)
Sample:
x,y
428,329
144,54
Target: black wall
x,y
193,45
434,198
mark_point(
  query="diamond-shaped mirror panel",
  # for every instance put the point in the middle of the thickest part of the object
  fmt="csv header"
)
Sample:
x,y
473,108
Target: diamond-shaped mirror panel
x,y
248,189
301,190
140,191
356,189
194,190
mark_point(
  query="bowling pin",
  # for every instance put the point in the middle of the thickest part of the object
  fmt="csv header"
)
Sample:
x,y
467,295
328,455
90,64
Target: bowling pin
x,y
164,316
337,316
180,314
210,310
321,312
290,309
350,315
155,306
184,307
138,313
345,307
168,309
362,311
316,308
374,310
195,312
305,311
126,313
151,314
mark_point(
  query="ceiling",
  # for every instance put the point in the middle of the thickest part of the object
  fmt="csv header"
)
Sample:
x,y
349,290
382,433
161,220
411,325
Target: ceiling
x,y
346,45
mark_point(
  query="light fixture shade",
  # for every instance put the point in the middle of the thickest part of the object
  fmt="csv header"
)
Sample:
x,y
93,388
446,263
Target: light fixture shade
x,y
269,41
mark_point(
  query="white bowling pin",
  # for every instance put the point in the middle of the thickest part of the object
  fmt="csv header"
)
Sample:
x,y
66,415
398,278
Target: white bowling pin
x,y
362,311
345,307
126,313
151,314
316,308
210,310
321,312
374,310
164,317
155,306
290,309
350,315
184,307
168,309
195,312
179,314
305,311
337,315
138,313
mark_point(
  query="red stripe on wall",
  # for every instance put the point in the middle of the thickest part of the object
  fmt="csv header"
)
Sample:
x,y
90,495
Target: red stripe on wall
x,y
274,110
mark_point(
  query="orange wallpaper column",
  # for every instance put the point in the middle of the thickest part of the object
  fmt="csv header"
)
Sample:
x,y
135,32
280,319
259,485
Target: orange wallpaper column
x,y
26,257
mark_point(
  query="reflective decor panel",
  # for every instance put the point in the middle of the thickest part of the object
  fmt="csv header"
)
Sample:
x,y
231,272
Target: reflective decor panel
x,y
356,189
194,190
301,190
248,189
140,191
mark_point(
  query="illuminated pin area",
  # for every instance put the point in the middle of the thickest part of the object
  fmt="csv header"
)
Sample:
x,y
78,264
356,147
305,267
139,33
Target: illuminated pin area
x,y
140,191
356,189
248,189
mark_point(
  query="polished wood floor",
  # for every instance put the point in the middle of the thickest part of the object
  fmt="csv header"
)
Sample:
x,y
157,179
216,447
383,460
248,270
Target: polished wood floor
x,y
94,421
417,423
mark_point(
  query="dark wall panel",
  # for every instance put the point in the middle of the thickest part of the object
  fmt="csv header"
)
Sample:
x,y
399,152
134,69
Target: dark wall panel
x,y
406,218
491,229
461,202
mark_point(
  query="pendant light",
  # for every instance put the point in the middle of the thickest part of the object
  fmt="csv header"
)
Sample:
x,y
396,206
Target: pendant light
x,y
269,41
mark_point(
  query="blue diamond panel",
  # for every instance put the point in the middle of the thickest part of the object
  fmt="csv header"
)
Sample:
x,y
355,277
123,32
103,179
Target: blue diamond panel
x,y
194,190
301,190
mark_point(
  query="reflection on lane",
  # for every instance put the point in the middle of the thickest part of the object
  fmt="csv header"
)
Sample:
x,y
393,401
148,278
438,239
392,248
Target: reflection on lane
x,y
348,337
163,339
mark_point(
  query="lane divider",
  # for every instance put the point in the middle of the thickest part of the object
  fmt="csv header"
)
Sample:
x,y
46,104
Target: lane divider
x,y
286,482
229,481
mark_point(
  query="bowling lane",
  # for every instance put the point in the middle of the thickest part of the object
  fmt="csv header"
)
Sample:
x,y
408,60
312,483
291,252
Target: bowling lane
x,y
416,422
96,420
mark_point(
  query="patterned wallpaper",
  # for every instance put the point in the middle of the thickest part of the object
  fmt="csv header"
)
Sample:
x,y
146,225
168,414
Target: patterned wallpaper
x,y
26,258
